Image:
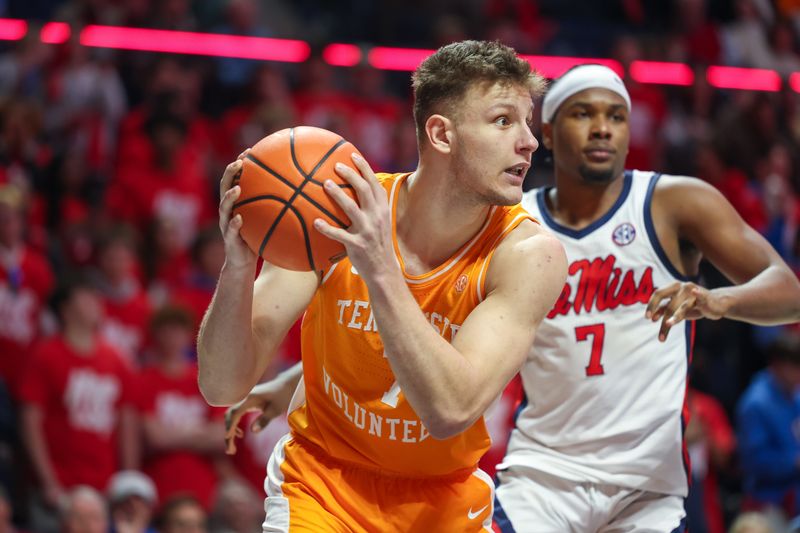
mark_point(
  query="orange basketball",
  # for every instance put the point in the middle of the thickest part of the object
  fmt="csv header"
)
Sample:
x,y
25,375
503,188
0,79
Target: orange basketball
x,y
282,194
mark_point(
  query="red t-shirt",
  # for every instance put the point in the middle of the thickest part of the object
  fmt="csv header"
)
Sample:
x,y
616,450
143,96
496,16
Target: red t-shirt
x,y
125,326
140,194
22,295
176,402
80,397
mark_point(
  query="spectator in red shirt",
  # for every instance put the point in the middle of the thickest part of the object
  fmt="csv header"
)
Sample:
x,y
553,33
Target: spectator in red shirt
x,y
170,182
127,309
77,422
25,283
184,436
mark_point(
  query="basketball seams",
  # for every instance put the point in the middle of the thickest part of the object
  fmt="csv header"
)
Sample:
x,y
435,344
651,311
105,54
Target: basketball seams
x,y
310,176
305,196
298,190
306,236
292,175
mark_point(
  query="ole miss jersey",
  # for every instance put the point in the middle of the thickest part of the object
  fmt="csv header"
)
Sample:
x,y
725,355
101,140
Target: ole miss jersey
x,y
354,409
604,398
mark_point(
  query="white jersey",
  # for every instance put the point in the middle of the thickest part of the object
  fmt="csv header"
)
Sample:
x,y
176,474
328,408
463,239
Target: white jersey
x,y
604,398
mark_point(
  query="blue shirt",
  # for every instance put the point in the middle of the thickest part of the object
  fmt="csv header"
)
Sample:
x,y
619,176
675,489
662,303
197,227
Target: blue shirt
x,y
768,430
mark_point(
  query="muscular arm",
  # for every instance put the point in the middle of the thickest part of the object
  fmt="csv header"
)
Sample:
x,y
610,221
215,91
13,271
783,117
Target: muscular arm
x,y
451,385
244,325
245,321
765,291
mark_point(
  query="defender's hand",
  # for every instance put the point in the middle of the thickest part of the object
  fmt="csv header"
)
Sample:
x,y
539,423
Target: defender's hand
x,y
683,301
368,240
237,253
271,399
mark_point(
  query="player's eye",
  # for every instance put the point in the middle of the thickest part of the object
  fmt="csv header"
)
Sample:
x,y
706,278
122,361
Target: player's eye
x,y
502,121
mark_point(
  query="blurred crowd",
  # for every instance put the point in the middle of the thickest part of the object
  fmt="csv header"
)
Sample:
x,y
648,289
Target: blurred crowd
x,y
109,247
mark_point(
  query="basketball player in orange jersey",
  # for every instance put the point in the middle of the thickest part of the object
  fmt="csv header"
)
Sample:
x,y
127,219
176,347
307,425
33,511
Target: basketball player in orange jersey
x,y
408,340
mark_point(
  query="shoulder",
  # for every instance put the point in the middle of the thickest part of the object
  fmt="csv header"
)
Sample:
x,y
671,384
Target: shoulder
x,y
688,202
681,189
528,251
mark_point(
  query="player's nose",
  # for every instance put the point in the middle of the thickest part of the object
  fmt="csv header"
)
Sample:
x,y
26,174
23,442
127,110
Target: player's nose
x,y
600,128
527,141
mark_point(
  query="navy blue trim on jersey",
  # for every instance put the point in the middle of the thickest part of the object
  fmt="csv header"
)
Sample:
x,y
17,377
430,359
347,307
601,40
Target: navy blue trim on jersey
x,y
682,527
689,332
522,405
579,234
651,231
500,518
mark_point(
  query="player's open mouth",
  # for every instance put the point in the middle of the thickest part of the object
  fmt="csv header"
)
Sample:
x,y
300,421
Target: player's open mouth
x,y
518,170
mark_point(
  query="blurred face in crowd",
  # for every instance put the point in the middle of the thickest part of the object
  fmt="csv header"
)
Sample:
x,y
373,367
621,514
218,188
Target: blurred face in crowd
x,y
186,518
589,135
84,308
212,256
86,514
173,338
117,261
167,140
788,373
493,141
133,510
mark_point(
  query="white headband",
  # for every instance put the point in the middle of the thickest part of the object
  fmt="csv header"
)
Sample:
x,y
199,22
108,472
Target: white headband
x,y
577,80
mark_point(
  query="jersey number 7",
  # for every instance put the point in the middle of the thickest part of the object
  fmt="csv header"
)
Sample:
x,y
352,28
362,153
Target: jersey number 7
x,y
598,333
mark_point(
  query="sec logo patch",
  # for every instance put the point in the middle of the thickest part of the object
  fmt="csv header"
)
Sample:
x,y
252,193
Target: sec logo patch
x,y
624,234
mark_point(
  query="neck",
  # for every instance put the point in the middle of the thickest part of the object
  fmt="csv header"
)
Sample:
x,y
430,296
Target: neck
x,y
577,203
80,338
427,237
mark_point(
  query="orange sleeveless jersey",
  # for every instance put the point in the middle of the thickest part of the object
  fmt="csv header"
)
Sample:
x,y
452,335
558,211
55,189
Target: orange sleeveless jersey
x,y
353,407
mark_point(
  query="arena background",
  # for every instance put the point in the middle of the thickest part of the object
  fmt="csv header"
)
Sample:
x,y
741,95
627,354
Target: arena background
x,y
117,118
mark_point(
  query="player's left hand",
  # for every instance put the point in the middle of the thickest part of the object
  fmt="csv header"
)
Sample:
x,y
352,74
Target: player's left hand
x,y
368,240
682,301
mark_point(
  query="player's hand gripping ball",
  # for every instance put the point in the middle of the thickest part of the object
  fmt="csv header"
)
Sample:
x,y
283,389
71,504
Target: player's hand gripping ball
x,y
282,193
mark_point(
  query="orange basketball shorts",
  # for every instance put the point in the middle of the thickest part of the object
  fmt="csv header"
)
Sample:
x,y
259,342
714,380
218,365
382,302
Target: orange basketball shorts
x,y
309,492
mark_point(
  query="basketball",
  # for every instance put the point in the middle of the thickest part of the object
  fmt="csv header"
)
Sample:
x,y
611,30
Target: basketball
x,y
282,194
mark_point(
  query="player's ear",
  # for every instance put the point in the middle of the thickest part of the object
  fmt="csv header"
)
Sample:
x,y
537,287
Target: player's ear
x,y
547,135
439,131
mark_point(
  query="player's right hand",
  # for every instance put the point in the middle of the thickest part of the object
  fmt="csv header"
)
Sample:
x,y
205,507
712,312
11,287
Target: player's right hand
x,y
270,399
237,252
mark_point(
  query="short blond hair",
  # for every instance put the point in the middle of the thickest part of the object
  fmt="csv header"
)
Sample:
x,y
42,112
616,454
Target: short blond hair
x,y
442,80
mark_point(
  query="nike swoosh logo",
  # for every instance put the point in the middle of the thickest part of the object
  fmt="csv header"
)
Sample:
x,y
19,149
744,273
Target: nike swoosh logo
x,y
474,515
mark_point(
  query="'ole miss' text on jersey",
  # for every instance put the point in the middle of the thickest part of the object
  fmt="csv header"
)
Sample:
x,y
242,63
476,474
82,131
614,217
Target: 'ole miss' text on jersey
x,y
605,400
